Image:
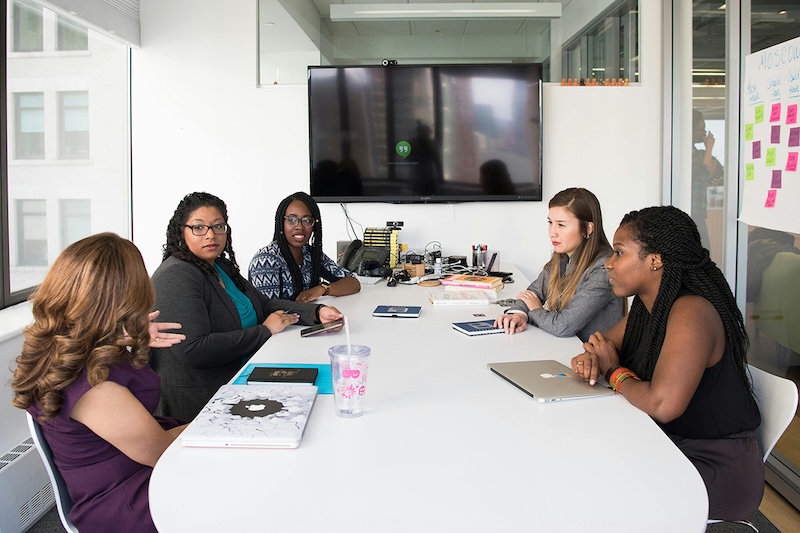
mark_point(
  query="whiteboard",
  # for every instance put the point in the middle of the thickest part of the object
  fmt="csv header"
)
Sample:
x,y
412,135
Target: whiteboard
x,y
770,138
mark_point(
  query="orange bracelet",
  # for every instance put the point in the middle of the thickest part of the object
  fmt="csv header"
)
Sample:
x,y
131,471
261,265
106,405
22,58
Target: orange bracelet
x,y
623,378
620,375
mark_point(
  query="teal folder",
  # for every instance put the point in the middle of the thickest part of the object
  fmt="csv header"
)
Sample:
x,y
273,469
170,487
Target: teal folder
x,y
323,382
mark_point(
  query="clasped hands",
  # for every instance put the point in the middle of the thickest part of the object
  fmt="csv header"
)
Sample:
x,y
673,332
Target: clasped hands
x,y
599,355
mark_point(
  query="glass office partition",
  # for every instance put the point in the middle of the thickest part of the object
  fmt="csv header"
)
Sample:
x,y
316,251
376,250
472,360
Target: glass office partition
x,y
772,266
607,48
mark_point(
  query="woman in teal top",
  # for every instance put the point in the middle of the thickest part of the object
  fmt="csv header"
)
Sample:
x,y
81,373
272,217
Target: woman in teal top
x,y
224,318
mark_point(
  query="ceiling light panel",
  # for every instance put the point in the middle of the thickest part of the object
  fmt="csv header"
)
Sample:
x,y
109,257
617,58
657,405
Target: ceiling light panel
x,y
388,12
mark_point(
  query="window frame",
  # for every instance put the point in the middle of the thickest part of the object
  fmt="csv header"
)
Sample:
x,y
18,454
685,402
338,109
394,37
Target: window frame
x,y
7,298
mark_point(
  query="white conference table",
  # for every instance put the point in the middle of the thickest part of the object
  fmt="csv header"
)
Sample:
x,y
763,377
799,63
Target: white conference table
x,y
444,444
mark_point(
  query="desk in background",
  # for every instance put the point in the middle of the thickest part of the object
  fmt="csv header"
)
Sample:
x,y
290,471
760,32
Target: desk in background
x,y
444,445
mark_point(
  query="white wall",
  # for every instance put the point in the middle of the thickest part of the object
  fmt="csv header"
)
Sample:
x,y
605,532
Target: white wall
x,y
200,123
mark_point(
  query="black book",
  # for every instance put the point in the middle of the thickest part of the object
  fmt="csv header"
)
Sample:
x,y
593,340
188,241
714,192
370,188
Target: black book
x,y
274,374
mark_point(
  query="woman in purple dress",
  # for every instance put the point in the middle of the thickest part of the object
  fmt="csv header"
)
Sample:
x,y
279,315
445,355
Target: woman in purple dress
x,y
83,374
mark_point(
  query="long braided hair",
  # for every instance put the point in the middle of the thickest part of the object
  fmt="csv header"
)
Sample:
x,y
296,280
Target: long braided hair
x,y
315,242
584,206
176,244
668,231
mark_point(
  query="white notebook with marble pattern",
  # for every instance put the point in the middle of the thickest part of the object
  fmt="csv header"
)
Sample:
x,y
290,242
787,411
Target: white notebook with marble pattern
x,y
252,416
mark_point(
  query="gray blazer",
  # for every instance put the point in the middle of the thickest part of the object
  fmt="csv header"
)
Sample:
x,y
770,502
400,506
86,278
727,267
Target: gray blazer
x,y
216,345
593,307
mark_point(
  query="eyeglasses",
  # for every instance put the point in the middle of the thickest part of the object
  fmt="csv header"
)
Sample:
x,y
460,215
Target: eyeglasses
x,y
201,230
307,222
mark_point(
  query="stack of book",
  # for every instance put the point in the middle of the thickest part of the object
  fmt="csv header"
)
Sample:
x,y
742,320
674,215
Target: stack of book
x,y
384,238
488,285
476,297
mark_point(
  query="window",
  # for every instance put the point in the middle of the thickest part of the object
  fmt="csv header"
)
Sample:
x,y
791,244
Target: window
x,y
27,28
54,189
76,221
71,36
29,126
31,232
74,125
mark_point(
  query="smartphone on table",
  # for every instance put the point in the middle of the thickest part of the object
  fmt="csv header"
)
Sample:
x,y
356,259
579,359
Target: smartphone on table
x,y
333,325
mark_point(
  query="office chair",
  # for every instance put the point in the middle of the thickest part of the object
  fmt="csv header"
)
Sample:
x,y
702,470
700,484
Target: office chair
x,y
63,500
777,401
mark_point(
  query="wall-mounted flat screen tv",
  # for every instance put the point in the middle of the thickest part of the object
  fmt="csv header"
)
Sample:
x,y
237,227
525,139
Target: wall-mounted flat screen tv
x,y
425,133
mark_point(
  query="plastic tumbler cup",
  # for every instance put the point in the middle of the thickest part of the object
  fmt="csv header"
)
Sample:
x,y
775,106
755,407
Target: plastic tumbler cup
x,y
349,365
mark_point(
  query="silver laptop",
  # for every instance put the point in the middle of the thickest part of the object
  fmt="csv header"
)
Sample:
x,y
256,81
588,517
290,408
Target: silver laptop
x,y
252,416
547,381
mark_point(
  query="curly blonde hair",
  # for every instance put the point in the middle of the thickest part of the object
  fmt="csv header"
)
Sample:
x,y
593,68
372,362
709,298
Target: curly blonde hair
x,y
90,312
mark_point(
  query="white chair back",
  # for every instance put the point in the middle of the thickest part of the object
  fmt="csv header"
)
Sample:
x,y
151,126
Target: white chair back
x,y
777,401
63,500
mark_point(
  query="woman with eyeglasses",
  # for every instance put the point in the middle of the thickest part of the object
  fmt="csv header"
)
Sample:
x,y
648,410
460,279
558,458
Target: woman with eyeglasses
x,y
572,295
225,319
293,265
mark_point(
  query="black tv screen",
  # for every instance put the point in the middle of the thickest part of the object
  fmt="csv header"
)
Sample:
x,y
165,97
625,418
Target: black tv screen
x,y
425,133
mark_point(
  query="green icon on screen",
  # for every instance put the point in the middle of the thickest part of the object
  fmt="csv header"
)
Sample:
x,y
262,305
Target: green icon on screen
x,y
403,149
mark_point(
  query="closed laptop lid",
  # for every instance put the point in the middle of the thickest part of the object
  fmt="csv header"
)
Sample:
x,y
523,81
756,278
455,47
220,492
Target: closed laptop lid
x,y
547,380
252,416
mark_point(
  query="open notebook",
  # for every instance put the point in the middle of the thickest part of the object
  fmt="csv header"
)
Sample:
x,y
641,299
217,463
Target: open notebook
x,y
252,416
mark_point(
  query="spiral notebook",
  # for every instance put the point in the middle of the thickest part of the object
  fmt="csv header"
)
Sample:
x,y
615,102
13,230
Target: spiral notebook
x,y
477,327
402,311
252,416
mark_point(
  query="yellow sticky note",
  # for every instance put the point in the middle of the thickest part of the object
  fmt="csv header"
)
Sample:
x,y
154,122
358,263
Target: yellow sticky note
x,y
759,114
748,132
771,157
749,172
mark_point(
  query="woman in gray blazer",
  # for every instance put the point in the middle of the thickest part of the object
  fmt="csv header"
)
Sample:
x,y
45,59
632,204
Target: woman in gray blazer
x,y
572,295
225,319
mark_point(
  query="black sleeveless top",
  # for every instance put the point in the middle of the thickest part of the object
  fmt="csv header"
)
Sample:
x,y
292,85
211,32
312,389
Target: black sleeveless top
x,y
720,405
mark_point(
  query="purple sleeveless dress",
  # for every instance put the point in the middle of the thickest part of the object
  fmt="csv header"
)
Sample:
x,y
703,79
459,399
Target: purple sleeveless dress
x,y
108,489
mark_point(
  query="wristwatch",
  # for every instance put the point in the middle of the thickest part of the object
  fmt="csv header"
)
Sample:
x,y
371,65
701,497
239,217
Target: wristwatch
x,y
325,284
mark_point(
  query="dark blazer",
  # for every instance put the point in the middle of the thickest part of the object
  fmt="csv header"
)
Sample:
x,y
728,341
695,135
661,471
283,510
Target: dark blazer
x,y
215,345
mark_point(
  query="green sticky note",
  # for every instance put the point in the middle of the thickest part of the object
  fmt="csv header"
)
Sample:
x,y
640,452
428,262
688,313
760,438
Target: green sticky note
x,y
748,132
771,157
759,114
749,172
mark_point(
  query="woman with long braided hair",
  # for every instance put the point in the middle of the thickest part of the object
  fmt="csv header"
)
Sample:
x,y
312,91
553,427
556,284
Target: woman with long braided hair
x,y
680,355
293,266
225,319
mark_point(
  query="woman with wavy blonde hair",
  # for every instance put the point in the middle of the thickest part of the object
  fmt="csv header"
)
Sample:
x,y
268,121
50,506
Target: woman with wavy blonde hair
x,y
83,374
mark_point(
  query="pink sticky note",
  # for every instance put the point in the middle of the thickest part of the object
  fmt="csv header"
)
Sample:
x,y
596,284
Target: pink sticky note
x,y
794,137
791,114
776,179
756,149
775,138
771,195
791,162
775,113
